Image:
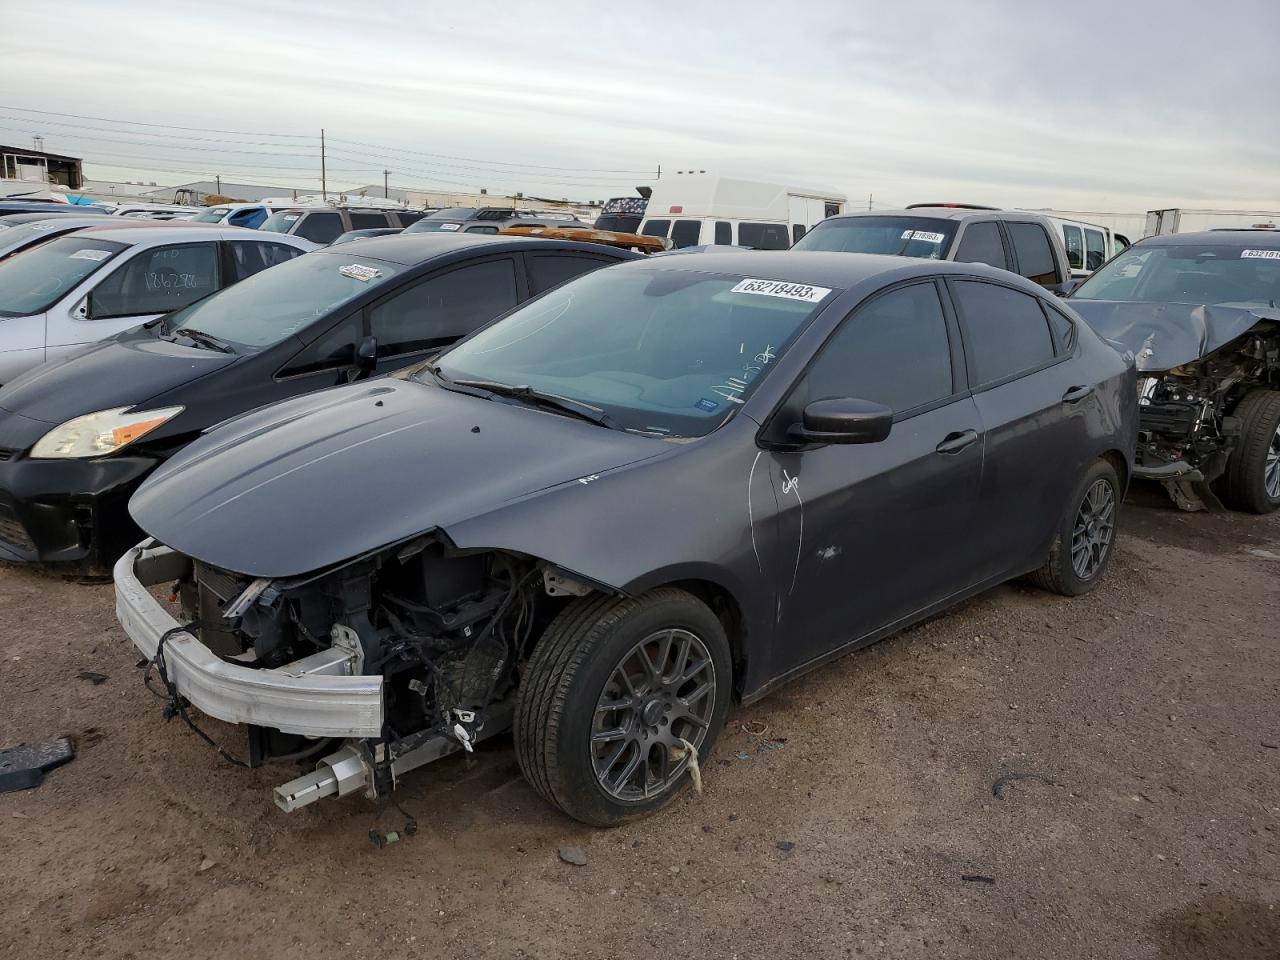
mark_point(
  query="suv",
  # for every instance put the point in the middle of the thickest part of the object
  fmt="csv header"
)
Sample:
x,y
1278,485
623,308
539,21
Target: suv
x,y
1024,243
326,224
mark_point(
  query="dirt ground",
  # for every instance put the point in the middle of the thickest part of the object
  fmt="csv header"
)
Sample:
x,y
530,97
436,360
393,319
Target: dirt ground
x,y
1142,720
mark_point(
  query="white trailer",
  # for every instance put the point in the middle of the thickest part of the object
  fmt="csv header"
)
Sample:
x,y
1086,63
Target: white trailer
x,y
691,209
1182,220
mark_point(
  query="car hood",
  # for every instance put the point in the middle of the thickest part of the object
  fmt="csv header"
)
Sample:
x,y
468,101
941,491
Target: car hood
x,y
116,373
304,484
1162,336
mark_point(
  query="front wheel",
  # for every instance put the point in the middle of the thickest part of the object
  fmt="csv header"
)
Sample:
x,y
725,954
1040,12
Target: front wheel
x,y
612,692
1086,537
1252,480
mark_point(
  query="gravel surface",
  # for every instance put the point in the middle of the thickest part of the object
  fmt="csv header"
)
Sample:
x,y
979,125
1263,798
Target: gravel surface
x,y
1026,776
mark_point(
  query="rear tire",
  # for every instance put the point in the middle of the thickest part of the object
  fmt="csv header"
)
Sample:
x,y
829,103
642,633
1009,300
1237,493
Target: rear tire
x,y
607,676
1252,480
1086,537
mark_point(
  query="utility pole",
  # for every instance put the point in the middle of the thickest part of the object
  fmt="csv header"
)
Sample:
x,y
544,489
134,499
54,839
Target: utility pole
x,y
385,174
217,178
659,177
324,184
869,196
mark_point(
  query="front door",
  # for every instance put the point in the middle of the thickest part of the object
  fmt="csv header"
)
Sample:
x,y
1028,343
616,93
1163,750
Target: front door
x,y
872,533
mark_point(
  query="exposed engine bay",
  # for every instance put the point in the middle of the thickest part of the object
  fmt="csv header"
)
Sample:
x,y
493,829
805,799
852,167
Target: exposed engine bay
x,y
446,630
1188,429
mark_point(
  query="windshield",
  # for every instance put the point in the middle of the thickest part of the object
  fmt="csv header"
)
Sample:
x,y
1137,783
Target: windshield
x,y
1227,275
213,215
36,280
23,234
281,221
901,236
278,303
671,352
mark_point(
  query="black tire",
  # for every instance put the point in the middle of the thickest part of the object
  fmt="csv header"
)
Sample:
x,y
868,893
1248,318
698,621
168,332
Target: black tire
x,y
1245,484
568,677
1059,573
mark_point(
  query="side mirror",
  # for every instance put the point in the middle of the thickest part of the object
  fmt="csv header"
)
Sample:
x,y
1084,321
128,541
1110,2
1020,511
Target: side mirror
x,y
842,420
1064,289
367,354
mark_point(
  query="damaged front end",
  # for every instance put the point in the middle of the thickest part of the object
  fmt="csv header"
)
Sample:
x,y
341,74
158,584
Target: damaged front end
x,y
372,668
1187,428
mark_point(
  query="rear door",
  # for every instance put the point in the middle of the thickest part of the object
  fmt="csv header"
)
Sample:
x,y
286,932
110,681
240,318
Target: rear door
x,y
1034,410
871,533
147,284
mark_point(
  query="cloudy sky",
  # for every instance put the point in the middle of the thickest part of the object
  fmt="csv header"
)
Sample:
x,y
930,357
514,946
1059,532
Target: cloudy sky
x,y
1116,106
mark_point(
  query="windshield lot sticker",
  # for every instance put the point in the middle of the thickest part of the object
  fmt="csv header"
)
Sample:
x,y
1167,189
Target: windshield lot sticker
x,y
1260,254
41,227
706,404
358,271
292,217
922,235
450,226
780,288
91,255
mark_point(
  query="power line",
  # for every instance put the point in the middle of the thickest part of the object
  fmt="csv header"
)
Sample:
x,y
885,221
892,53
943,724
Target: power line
x,y
427,170
162,126
170,142
495,163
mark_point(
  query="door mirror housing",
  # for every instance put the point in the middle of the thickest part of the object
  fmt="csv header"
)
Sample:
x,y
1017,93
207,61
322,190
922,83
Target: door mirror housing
x,y
367,354
842,420
1064,288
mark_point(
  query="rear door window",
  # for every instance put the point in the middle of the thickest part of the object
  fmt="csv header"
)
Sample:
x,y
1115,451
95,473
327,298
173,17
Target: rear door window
x,y
1006,331
439,310
1095,249
1074,240
763,236
547,270
157,280
407,217
320,227
368,221
980,243
724,233
1034,254
656,228
685,233
253,256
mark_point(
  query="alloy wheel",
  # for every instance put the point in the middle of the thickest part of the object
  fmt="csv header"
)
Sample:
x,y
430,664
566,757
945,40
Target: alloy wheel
x,y
662,691
1094,528
1271,467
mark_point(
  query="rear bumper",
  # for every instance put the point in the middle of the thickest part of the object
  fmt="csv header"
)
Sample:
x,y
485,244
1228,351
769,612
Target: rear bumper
x,y
313,697
70,513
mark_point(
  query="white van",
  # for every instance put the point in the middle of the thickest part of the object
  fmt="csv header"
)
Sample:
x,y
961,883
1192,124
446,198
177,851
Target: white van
x,y
692,209
1089,245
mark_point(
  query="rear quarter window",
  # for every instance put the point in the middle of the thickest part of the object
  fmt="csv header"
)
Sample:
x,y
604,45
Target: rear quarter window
x,y
1034,252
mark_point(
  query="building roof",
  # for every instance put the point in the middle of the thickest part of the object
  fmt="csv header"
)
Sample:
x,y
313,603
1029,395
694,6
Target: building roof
x,y
27,152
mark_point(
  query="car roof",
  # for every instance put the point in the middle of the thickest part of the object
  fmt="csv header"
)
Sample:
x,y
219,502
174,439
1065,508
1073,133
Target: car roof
x,y
1264,239
167,232
822,268
37,216
944,213
409,249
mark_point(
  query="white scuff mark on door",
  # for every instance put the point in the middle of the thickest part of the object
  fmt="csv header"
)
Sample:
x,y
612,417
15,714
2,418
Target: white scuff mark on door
x,y
829,553
751,518
791,484
587,479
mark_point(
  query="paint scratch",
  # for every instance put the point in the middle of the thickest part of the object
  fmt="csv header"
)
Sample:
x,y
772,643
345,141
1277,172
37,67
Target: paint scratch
x,y
751,519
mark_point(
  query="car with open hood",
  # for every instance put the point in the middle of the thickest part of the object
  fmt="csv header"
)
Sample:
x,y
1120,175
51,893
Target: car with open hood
x,y
1201,314
67,293
77,437
597,520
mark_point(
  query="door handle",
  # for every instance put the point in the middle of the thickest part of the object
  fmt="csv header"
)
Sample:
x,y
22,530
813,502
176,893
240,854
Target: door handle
x,y
955,442
1076,394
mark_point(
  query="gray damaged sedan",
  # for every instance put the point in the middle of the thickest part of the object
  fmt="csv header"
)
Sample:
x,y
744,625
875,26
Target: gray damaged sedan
x,y
653,491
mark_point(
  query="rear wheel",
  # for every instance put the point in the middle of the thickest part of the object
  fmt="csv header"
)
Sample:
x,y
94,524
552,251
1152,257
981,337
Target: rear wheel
x,y
1252,480
612,689
1082,549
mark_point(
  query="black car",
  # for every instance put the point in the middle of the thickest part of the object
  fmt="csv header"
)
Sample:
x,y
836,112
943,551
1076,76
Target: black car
x,y
77,437
1201,313
598,519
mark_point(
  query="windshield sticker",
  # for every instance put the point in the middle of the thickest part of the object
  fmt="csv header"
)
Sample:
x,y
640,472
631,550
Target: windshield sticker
x,y
780,288
922,235
1260,254
48,225
706,404
88,254
292,217
358,271
450,226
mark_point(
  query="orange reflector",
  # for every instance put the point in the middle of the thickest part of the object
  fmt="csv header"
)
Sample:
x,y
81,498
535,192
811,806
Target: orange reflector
x,y
123,435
